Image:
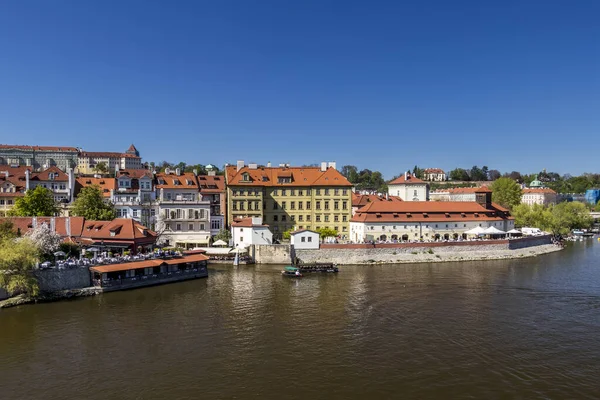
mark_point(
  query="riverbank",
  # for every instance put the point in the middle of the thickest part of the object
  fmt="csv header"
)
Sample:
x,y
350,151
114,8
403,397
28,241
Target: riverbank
x,y
49,296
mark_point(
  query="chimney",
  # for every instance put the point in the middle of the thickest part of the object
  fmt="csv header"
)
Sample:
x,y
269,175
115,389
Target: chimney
x,y
240,164
177,171
6,174
332,164
53,224
269,164
71,184
195,171
406,175
27,173
34,222
212,172
323,166
68,226
253,166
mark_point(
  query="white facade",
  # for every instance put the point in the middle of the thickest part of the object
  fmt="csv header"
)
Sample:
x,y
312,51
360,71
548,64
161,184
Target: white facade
x,y
250,231
400,231
61,186
539,196
434,175
410,191
305,239
439,195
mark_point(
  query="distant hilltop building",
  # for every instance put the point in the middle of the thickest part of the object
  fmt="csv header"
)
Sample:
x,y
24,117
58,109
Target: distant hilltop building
x,y
409,188
89,160
434,175
38,157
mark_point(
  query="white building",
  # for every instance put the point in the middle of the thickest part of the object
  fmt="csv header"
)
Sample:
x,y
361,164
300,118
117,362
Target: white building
x,y
88,160
38,157
402,221
409,188
135,197
61,184
305,239
434,175
249,231
543,196
183,215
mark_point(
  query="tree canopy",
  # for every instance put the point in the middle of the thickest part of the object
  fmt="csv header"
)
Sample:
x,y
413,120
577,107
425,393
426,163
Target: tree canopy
x,y
224,235
90,204
558,219
365,179
17,258
101,168
506,192
38,202
327,232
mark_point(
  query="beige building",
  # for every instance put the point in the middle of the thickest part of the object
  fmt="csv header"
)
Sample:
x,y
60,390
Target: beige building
x,y
38,157
88,160
543,196
434,175
290,197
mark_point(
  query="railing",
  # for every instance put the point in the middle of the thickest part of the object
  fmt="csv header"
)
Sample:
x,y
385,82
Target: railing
x,y
140,279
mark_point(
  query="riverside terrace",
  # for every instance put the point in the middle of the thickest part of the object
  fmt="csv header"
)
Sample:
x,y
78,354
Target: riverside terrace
x,y
151,271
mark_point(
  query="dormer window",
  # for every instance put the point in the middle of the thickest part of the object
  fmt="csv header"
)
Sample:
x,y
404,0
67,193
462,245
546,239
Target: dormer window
x,y
245,177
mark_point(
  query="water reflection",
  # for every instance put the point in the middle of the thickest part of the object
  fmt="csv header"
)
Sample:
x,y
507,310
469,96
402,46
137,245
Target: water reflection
x,y
513,328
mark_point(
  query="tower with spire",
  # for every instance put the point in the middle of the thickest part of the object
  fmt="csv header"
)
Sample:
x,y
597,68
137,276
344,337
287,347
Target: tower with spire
x,y
133,151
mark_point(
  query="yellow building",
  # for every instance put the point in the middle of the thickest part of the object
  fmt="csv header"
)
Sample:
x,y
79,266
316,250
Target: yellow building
x,y
290,197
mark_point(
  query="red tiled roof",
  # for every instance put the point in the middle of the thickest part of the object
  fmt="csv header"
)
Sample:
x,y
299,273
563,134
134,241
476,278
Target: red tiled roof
x,y
300,176
60,176
134,173
75,223
106,154
420,211
434,171
123,229
211,183
465,190
408,180
172,181
359,200
132,148
38,148
106,184
244,223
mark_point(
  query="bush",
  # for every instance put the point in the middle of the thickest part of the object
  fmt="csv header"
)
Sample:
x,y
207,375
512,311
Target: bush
x,y
430,251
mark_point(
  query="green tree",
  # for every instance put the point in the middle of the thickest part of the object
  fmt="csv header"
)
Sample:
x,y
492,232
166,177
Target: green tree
x,y
38,202
459,174
597,207
494,174
224,235
287,235
7,230
506,192
17,259
569,216
101,168
350,172
90,204
327,232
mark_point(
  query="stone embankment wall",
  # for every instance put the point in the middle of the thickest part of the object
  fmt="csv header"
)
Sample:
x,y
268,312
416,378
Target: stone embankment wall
x,y
272,254
3,294
53,280
427,252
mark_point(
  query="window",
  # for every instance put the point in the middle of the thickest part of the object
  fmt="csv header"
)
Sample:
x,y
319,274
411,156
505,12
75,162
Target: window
x,y
283,192
345,192
293,205
234,206
275,218
300,192
327,218
242,208
307,219
190,227
318,192
178,227
336,205
344,205
292,192
415,192
178,213
292,217
275,192
344,218
308,205
201,227
283,218
326,192
336,218
318,205
300,218
241,238
283,205
336,192
135,213
327,205
310,239
318,218
300,205
303,239
275,206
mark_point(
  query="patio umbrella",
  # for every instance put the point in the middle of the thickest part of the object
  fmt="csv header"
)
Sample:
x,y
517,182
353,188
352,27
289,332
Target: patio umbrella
x,y
514,231
93,249
59,254
220,243
475,231
492,230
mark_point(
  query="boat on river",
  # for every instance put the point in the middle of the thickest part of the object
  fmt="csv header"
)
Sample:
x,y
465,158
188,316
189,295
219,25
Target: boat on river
x,y
292,272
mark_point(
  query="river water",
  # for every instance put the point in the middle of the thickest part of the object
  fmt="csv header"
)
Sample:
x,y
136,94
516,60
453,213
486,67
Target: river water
x,y
525,329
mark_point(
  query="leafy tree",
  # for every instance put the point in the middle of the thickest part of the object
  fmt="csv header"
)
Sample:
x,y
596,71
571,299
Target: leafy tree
x,y
494,174
327,232
38,202
515,176
459,174
91,205
506,192
44,239
418,172
101,168
597,207
478,174
558,219
7,230
17,258
223,235
350,172
287,235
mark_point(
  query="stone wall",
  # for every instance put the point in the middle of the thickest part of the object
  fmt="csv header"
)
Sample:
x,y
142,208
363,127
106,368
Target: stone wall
x,y
272,254
3,294
529,241
52,280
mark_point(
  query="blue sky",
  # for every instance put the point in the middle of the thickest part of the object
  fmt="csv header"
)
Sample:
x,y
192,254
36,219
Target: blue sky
x,y
514,85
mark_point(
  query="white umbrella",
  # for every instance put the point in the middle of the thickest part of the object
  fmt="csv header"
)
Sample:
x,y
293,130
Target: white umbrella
x,y
220,243
60,254
492,230
514,231
475,231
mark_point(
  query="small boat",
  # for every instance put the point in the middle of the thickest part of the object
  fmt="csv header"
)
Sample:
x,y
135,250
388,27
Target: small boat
x,y
292,272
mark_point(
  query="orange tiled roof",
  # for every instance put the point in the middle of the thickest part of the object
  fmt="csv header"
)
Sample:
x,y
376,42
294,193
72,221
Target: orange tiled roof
x,y
187,180
360,200
135,173
38,148
434,171
106,184
420,211
123,229
244,223
410,179
482,189
211,183
298,176
24,224
106,154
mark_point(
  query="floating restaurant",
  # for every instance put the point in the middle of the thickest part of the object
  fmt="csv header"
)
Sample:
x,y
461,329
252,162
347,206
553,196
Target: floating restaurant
x,y
149,272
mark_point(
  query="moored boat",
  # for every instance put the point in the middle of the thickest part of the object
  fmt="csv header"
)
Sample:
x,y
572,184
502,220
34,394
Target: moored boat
x,y
292,272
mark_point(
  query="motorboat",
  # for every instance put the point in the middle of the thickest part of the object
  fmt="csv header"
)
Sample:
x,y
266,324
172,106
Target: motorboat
x,y
292,272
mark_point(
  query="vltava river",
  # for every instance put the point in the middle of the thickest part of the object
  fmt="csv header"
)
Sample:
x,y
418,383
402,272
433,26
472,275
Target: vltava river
x,y
526,329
